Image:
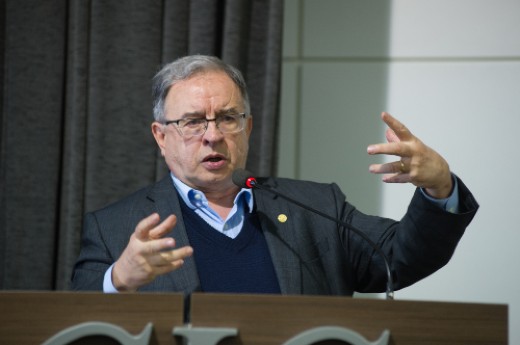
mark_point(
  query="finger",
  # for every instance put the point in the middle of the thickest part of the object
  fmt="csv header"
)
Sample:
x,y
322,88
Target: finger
x,y
398,128
397,167
177,254
393,148
163,228
171,266
143,228
396,178
159,245
170,256
391,137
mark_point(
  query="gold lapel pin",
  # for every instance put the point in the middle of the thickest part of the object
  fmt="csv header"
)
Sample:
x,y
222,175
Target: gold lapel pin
x,y
282,218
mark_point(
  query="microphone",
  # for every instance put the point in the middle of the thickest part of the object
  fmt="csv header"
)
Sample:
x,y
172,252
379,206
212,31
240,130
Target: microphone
x,y
245,179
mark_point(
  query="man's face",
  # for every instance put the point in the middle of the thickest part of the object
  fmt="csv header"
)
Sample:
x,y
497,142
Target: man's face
x,y
205,162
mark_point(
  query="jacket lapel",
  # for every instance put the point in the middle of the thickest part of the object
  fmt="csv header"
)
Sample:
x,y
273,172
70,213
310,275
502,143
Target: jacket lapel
x,y
164,200
279,231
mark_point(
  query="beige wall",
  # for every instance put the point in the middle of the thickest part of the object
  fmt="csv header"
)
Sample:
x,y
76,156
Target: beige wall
x,y
450,70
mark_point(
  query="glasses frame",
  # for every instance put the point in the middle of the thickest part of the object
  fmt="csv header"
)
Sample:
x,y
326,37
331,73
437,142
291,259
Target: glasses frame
x,y
238,116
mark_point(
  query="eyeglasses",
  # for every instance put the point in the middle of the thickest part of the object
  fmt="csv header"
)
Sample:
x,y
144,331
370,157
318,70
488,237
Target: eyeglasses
x,y
231,123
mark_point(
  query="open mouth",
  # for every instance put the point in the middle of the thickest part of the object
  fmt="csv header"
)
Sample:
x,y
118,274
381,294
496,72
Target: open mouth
x,y
214,162
214,159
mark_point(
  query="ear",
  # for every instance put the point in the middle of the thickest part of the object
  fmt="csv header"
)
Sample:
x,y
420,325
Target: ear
x,y
249,125
159,135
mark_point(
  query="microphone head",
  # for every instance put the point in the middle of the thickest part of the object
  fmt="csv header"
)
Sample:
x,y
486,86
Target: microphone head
x,y
243,178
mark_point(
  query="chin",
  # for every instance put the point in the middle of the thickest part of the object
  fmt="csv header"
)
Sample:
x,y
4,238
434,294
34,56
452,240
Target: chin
x,y
216,176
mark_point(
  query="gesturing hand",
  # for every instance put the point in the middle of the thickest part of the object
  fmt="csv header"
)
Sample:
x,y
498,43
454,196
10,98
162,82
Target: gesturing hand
x,y
148,254
418,164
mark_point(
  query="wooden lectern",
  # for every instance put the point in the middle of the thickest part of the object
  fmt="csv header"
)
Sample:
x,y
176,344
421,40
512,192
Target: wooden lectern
x,y
35,317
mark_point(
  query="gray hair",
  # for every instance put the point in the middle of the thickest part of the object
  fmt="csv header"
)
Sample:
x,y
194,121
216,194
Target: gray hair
x,y
186,67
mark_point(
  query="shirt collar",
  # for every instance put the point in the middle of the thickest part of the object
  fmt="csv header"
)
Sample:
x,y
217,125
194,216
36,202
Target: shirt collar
x,y
196,199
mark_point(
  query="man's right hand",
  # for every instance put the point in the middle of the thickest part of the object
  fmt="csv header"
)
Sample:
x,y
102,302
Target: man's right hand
x,y
148,254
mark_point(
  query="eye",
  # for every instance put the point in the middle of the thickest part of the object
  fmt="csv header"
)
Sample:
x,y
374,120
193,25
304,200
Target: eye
x,y
194,123
227,118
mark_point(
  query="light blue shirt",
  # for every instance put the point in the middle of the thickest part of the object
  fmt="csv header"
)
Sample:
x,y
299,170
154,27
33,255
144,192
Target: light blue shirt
x,y
196,200
231,226
451,203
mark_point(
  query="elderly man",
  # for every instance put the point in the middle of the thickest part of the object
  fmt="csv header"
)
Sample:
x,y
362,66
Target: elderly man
x,y
195,230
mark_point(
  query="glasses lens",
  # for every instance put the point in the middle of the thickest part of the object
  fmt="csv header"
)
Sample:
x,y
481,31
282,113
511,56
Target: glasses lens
x,y
225,123
193,126
230,123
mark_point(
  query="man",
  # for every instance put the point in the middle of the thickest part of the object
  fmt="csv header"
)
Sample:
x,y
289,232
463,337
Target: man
x,y
195,230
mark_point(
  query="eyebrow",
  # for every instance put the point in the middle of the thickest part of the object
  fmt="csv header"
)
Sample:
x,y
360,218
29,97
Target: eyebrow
x,y
231,110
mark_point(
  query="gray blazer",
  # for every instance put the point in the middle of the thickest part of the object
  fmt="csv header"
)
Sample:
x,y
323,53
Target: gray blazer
x,y
311,254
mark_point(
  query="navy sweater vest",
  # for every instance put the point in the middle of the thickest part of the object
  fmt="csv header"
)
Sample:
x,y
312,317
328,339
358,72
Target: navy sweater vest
x,y
239,265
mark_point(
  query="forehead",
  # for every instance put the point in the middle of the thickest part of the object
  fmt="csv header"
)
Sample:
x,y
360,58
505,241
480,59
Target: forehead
x,y
204,92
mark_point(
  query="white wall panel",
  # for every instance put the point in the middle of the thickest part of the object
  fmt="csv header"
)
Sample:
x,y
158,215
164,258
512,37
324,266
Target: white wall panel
x,y
288,132
291,26
469,112
340,107
345,28
455,28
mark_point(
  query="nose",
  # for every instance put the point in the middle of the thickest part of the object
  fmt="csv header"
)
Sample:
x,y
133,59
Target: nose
x,y
212,133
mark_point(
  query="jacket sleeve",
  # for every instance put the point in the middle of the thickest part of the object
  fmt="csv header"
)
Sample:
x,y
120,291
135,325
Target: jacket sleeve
x,y
419,244
94,258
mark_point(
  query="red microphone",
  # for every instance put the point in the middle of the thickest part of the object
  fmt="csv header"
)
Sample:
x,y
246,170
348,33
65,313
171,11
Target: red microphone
x,y
244,179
